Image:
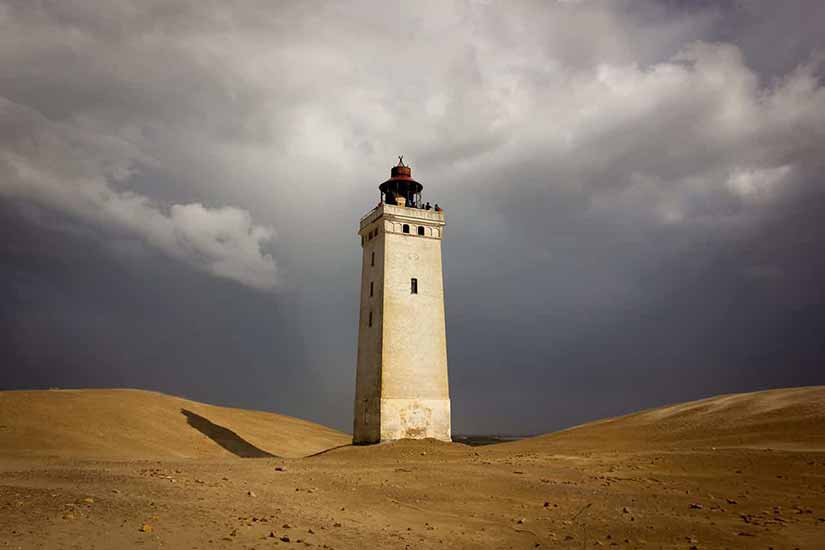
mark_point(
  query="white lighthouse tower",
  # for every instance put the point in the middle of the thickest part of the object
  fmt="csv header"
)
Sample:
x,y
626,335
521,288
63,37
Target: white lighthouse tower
x,y
401,383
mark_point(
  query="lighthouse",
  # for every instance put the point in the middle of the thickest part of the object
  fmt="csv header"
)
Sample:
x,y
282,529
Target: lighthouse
x,y
401,388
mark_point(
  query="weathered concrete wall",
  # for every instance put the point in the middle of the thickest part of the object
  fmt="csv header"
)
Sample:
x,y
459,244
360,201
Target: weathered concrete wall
x,y
415,419
402,388
367,410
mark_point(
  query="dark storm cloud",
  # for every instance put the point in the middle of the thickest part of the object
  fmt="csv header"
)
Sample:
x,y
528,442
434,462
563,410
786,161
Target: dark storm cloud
x,y
633,192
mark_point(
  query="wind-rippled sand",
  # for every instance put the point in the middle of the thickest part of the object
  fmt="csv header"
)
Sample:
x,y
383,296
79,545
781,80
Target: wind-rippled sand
x,y
123,469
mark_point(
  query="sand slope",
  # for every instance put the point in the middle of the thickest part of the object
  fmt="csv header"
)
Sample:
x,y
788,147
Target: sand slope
x,y
124,423
789,418
696,475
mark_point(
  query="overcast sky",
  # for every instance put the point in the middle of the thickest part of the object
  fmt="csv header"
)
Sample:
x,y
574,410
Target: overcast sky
x,y
634,196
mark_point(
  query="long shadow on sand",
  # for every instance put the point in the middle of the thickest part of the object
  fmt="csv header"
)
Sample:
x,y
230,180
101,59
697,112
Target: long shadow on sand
x,y
224,437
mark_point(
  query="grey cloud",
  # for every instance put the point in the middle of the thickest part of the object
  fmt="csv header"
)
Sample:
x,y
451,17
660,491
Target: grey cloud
x,y
632,189
69,170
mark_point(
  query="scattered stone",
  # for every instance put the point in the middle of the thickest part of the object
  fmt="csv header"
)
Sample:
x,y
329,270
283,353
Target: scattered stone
x,y
272,534
146,528
337,524
286,526
68,516
252,494
625,510
280,469
695,506
285,538
745,534
116,491
568,537
731,501
311,532
521,521
89,500
546,504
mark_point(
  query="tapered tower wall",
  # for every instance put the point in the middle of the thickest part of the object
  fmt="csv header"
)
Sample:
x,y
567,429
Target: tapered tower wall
x,y
402,388
367,413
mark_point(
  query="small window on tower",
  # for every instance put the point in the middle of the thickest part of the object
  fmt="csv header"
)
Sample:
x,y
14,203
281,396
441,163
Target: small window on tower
x,y
370,321
371,287
413,286
372,259
406,228
421,230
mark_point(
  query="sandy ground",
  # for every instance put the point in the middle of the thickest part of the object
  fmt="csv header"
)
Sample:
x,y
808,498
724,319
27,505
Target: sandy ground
x,y
128,424
743,471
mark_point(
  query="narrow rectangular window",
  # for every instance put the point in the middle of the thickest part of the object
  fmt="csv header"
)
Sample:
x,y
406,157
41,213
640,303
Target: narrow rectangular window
x,y
371,287
372,259
413,286
370,323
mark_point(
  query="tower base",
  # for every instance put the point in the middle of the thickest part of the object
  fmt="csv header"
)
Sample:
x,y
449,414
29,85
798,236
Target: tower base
x,y
415,419
409,419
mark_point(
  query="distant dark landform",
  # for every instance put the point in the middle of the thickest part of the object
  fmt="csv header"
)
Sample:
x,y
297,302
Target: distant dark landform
x,y
479,440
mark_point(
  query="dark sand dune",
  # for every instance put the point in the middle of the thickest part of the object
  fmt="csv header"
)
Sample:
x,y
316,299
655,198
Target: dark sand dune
x,y
132,424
